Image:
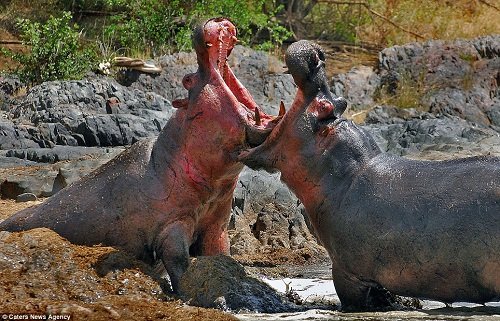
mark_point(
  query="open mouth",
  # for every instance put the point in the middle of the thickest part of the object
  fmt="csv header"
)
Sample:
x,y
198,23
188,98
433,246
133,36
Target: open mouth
x,y
220,37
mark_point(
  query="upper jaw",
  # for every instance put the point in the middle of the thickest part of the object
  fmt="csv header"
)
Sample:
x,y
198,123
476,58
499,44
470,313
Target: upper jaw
x,y
219,38
306,63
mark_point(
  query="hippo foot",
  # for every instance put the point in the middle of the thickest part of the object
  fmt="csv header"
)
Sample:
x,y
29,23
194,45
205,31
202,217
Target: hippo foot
x,y
377,298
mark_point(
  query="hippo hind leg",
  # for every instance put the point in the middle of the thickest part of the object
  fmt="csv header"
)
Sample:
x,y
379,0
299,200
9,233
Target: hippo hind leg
x,y
357,295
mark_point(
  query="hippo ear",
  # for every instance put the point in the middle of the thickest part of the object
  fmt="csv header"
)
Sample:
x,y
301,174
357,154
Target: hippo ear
x,y
320,63
340,106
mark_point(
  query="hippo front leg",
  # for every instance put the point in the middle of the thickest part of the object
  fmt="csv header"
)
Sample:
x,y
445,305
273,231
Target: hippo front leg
x,y
174,251
213,238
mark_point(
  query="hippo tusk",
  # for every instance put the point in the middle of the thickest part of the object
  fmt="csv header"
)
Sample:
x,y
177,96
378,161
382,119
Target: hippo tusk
x,y
282,109
258,122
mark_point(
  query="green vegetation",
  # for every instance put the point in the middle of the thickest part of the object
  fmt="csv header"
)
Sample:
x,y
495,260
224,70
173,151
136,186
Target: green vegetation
x,y
56,52
139,28
150,28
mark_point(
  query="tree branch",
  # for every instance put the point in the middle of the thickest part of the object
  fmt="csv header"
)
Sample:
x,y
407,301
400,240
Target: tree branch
x,y
11,42
375,13
489,5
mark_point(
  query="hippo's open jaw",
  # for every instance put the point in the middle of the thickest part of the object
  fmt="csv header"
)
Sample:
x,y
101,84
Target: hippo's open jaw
x,y
219,38
306,63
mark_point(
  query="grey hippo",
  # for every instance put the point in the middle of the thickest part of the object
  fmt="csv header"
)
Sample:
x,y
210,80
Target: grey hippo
x,y
426,229
168,197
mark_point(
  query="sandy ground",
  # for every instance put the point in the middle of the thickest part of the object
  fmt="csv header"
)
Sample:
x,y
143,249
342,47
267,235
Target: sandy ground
x,y
42,274
9,207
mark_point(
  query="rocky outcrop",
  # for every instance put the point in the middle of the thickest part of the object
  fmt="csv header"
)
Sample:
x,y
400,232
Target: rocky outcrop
x,y
459,78
44,171
420,134
358,87
93,112
454,85
259,72
267,217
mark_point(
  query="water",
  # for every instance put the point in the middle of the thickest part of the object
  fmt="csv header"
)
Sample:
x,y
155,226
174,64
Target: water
x,y
323,290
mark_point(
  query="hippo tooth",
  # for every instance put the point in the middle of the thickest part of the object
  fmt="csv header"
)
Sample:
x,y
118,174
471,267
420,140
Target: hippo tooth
x,y
208,44
282,109
257,116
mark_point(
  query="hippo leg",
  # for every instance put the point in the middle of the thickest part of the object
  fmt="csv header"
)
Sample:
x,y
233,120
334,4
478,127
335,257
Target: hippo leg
x,y
174,251
215,237
358,295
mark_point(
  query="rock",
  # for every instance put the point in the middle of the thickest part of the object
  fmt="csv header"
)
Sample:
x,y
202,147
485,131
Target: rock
x,y
15,136
456,78
422,135
38,180
9,86
20,176
8,162
61,153
221,281
92,112
261,73
267,217
358,87
26,197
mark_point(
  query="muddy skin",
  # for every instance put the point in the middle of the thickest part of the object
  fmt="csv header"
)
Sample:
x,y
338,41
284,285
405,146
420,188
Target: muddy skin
x,y
170,197
426,229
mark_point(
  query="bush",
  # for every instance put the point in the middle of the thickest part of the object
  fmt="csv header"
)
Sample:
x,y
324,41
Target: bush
x,y
145,25
161,26
55,51
256,22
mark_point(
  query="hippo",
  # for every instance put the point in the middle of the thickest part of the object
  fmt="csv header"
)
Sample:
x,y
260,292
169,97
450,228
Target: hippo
x,y
170,197
425,229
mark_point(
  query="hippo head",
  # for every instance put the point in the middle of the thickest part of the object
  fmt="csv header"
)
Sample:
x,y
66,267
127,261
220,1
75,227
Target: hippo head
x,y
220,112
313,131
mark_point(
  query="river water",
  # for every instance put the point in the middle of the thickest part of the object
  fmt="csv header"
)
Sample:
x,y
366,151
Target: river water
x,y
323,290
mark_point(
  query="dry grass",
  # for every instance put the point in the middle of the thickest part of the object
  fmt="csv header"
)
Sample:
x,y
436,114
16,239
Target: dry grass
x,y
432,19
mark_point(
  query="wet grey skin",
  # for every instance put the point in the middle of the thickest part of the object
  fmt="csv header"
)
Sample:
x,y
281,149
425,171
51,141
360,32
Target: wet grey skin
x,y
426,229
166,198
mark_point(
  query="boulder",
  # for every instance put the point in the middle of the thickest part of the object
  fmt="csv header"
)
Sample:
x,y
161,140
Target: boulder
x,y
456,77
221,282
44,171
358,87
420,134
91,112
